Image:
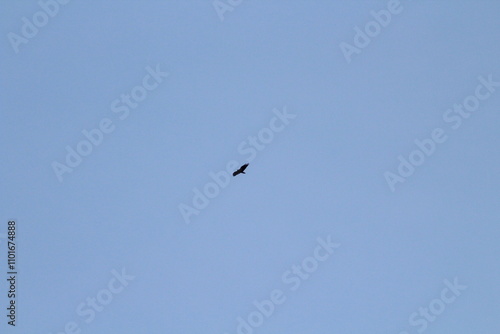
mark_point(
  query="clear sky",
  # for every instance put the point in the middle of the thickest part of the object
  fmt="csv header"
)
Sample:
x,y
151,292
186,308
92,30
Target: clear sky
x,y
371,203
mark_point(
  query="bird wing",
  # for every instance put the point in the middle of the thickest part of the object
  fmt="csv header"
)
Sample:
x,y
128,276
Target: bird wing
x,y
241,169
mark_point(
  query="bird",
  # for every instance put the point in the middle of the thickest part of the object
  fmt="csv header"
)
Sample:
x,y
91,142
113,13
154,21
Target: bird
x,y
241,170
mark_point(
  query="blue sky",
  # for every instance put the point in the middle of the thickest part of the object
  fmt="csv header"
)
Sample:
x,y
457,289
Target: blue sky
x,y
170,93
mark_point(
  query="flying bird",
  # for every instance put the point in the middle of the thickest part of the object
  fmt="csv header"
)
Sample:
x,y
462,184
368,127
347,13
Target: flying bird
x,y
241,170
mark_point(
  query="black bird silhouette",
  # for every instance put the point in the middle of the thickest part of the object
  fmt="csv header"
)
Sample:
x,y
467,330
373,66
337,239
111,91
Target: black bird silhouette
x,y
241,170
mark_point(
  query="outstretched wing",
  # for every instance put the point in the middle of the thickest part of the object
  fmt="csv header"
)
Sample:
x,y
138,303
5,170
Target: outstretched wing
x,y
241,169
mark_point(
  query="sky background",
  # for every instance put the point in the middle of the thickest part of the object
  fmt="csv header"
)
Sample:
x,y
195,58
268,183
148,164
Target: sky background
x,y
323,175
